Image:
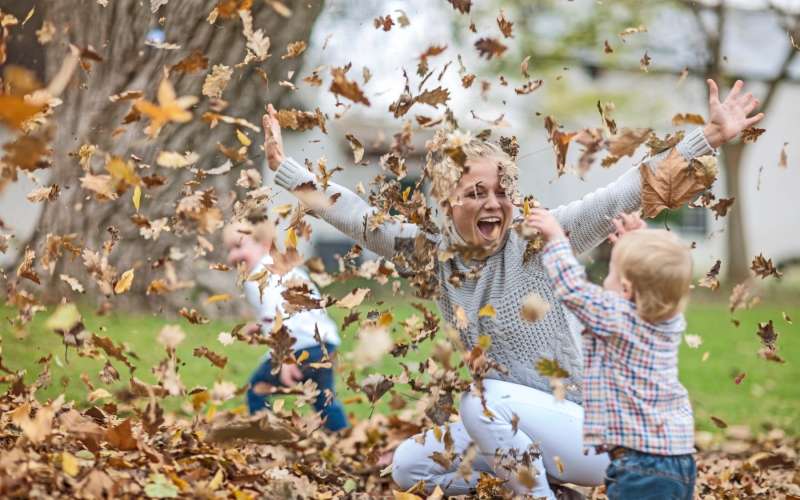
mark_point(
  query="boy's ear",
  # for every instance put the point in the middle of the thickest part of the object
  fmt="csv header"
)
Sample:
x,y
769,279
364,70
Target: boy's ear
x,y
627,288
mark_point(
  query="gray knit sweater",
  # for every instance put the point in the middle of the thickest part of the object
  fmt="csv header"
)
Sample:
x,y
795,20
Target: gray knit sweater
x,y
505,280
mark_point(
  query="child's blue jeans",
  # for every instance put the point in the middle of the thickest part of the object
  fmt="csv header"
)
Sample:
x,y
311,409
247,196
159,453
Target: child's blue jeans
x,y
640,475
333,412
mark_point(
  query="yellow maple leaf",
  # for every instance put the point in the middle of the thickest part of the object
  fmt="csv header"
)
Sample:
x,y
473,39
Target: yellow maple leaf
x,y
488,311
170,108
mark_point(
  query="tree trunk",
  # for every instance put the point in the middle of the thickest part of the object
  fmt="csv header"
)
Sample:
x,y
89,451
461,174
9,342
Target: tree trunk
x,y
737,262
117,33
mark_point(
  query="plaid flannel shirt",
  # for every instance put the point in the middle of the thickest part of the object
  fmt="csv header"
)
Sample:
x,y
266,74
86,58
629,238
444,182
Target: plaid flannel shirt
x,y
631,393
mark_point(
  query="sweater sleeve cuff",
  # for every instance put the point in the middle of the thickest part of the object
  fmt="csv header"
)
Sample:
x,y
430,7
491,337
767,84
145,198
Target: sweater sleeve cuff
x,y
695,144
291,174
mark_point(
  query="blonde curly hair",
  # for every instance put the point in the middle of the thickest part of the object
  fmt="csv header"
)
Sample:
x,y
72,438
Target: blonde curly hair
x,y
448,154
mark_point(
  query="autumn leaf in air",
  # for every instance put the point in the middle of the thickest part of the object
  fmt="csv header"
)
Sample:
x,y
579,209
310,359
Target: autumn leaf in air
x,y
169,108
673,183
560,141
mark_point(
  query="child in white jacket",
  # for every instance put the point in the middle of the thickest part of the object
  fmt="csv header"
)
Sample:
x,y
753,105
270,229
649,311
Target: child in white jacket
x,y
247,245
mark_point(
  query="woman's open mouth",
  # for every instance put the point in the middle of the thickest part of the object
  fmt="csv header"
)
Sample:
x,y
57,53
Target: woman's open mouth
x,y
489,227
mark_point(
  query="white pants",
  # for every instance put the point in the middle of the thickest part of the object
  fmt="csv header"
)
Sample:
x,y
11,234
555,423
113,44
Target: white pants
x,y
554,426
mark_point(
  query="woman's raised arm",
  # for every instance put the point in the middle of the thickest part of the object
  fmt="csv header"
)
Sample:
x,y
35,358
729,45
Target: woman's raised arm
x,y
588,220
335,204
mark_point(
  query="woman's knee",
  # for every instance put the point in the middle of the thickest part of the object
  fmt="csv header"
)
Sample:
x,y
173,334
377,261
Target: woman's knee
x,y
407,464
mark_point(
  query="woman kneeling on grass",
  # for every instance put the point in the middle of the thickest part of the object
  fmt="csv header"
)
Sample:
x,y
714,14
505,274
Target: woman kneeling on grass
x,y
523,415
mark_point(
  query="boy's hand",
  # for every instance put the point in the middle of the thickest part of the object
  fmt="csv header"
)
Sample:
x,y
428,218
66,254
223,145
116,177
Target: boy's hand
x,y
273,142
624,224
290,375
542,220
729,117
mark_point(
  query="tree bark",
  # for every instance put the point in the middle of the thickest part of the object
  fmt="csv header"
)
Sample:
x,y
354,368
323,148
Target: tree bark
x,y
118,33
737,264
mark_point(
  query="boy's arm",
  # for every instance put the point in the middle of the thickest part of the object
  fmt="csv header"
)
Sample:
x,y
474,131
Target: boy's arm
x,y
599,310
588,220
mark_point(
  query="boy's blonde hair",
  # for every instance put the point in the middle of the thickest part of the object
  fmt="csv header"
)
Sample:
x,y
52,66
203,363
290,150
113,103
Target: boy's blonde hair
x,y
659,266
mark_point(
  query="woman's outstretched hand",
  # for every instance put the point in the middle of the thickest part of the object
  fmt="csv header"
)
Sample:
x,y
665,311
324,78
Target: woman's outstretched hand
x,y
729,117
273,142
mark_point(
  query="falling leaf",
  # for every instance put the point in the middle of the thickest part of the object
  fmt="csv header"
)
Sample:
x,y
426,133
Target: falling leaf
x,y
373,343
632,31
718,422
216,81
783,162
487,311
124,282
550,368
353,299
710,280
301,120
170,336
169,108
346,88
506,26
357,147
69,464
137,197
171,159
194,62
72,282
692,119
693,341
534,307
644,62
64,318
294,49
673,184
751,134
221,297
385,23
560,141
764,268
720,208
490,47
463,6
217,360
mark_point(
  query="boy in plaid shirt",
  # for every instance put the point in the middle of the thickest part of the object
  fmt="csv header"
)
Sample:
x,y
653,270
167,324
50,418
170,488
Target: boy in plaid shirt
x,y
634,405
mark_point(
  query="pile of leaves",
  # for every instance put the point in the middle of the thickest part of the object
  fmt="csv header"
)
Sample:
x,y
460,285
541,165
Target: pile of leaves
x,y
128,445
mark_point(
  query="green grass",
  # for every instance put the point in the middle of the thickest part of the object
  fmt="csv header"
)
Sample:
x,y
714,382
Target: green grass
x,y
768,395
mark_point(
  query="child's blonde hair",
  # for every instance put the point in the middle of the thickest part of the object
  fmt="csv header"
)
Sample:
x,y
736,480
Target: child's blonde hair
x,y
659,266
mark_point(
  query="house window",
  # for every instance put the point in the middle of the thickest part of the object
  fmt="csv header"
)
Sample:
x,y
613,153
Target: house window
x,y
686,220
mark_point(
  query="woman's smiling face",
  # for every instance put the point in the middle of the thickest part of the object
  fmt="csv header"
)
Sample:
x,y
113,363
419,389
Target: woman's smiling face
x,y
482,214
